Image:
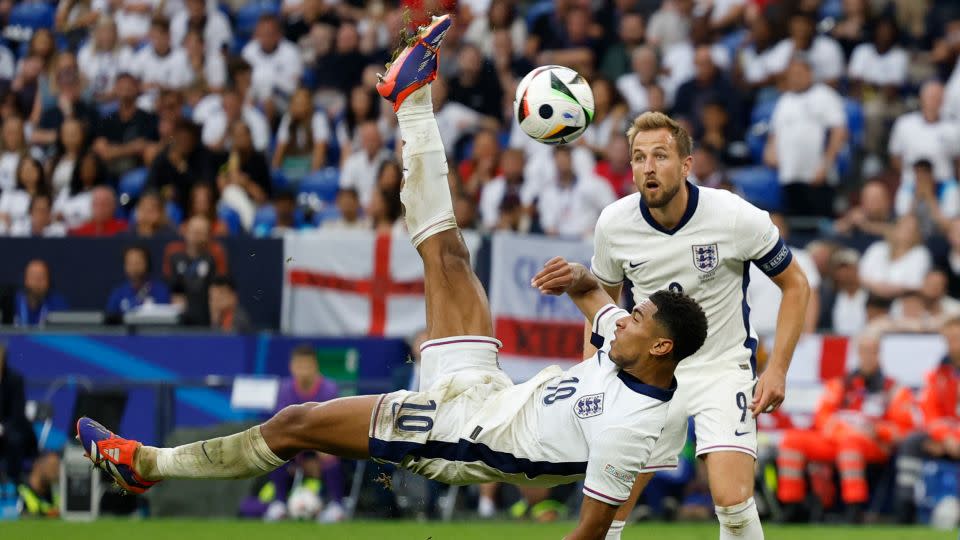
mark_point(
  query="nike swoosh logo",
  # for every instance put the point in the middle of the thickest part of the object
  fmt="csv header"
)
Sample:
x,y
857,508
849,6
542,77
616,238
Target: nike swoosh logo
x,y
639,264
738,434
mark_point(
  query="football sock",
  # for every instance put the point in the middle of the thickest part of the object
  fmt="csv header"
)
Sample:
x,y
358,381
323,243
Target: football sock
x,y
740,521
241,455
613,533
425,193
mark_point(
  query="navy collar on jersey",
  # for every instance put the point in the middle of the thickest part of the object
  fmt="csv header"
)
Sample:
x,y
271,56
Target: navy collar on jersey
x,y
692,200
640,387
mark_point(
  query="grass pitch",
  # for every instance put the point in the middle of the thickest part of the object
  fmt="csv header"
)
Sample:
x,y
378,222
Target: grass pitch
x,y
162,529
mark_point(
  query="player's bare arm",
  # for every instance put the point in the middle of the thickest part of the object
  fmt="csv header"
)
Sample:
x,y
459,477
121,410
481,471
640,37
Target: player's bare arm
x,y
770,391
559,276
595,519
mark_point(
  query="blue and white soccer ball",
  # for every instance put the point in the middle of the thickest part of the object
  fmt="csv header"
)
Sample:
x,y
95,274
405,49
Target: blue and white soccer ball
x,y
554,104
303,503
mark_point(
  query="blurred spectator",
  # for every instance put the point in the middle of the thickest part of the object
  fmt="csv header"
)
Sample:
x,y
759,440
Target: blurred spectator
x,y
32,70
160,64
342,68
348,206
390,175
577,48
75,18
925,134
570,205
208,68
455,120
34,303
181,164
854,26
934,201
385,211
807,131
15,203
133,18
303,17
482,164
616,59
149,218
139,288
206,105
226,313
858,419
891,266
670,24
285,209
951,97
217,127
102,59
123,136
17,440
615,166
103,220
275,61
949,262
190,266
849,311
203,202
363,105
244,181
764,295
474,86
39,496
69,103
823,53
720,135
636,85
940,437
360,169
71,144
465,211
302,138
877,71
705,170
707,85
500,16
7,67
939,304
868,221
757,58
205,17
73,205
14,147
609,116
40,221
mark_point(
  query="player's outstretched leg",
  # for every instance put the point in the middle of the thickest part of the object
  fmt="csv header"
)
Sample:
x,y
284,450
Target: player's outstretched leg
x,y
340,427
456,302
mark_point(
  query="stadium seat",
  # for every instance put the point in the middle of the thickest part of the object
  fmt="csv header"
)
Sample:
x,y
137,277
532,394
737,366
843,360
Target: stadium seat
x,y
759,185
174,213
323,183
231,218
131,185
248,15
264,220
856,123
25,18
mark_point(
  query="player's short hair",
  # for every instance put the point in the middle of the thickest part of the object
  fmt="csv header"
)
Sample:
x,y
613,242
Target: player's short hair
x,y
160,22
683,319
654,120
302,351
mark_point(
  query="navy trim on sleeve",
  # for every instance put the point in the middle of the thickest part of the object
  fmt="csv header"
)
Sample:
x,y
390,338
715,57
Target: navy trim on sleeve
x,y
596,340
776,260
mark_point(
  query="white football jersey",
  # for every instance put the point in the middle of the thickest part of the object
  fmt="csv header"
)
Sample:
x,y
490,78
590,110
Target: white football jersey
x,y
707,256
593,422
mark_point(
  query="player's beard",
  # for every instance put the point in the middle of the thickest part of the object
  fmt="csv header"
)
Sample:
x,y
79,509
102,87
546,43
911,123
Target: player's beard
x,y
662,198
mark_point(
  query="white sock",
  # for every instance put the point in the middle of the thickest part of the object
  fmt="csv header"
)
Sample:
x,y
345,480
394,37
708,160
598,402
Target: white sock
x,y
613,533
241,455
486,507
740,521
425,193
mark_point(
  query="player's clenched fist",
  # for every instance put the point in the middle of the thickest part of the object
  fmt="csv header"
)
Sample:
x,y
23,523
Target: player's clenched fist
x,y
557,276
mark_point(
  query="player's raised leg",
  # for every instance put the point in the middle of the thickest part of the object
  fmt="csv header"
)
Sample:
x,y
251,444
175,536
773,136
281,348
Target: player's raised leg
x,y
456,302
730,475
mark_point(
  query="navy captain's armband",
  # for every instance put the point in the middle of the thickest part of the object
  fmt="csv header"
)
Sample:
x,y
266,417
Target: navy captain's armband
x,y
776,260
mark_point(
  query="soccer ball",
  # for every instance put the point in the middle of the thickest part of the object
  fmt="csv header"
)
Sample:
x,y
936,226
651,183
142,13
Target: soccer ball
x,y
554,104
303,503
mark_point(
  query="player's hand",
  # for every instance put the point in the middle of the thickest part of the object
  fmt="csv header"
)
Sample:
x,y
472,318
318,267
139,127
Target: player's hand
x,y
556,277
770,392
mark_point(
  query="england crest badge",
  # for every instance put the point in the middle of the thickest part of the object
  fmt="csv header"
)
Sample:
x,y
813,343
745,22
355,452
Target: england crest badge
x,y
705,257
589,406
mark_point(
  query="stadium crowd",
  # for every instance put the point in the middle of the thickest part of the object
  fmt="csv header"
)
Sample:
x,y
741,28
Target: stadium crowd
x,y
192,118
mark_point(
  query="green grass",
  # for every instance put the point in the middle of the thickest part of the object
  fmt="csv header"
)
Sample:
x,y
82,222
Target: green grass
x,y
391,530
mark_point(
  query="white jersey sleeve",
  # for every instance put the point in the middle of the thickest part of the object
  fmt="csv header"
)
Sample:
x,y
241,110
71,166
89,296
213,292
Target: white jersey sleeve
x,y
758,240
605,324
616,458
604,267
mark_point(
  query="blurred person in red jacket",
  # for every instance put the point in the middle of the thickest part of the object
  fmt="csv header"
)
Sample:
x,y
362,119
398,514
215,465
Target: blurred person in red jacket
x,y
103,221
940,437
859,419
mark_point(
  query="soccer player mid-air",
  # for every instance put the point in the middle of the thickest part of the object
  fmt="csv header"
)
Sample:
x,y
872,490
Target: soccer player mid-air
x,y
701,242
597,421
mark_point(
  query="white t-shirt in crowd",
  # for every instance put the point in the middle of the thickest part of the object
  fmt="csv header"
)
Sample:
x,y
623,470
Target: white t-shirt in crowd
x,y
216,33
360,172
825,55
951,95
75,209
908,271
15,203
634,93
318,125
948,197
171,70
277,71
720,8
850,312
887,69
22,228
100,68
756,66
913,138
8,66
214,71
8,170
764,296
678,59
572,211
133,25
216,125
801,122
455,120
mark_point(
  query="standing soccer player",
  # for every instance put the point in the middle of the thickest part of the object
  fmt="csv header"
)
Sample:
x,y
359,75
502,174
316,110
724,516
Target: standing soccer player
x,y
597,421
701,241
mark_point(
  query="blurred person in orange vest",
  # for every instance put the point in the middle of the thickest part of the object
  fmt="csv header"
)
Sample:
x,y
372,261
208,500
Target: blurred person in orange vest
x,y
859,419
940,437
